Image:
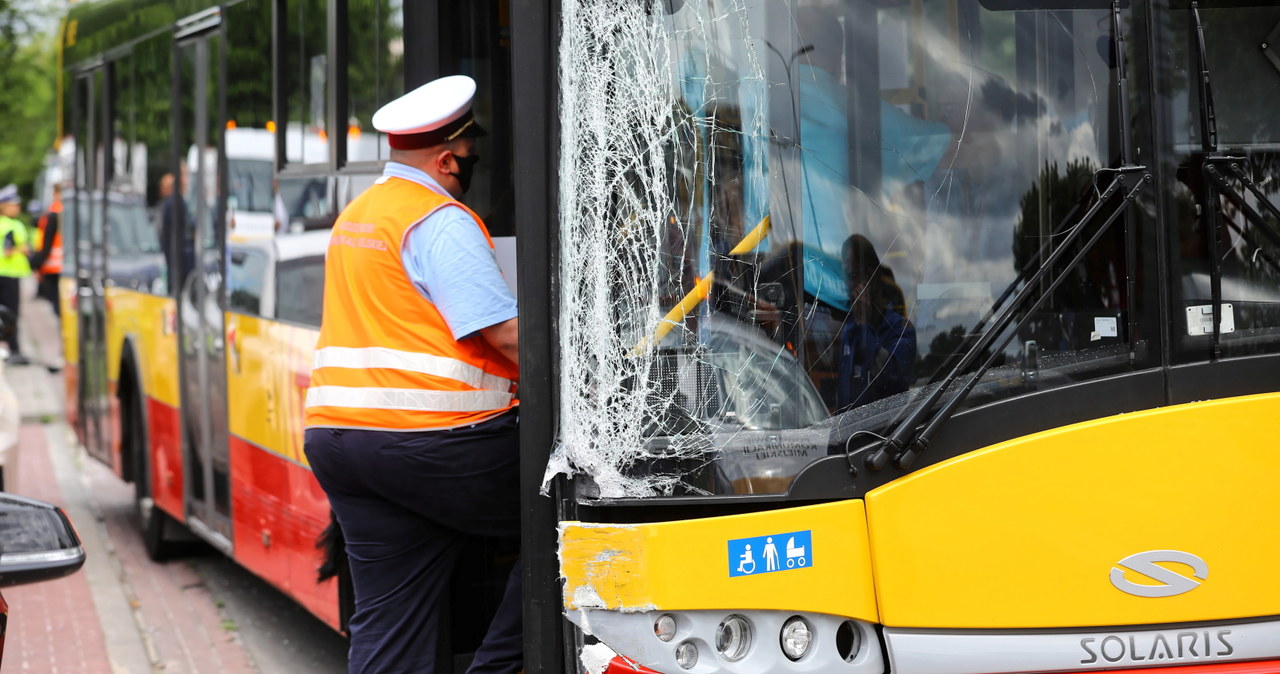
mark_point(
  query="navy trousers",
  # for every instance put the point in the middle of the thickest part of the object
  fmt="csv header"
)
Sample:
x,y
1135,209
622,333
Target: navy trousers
x,y
407,503
10,294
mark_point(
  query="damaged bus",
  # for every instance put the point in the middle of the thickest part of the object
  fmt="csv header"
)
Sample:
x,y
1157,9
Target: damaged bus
x,y
913,336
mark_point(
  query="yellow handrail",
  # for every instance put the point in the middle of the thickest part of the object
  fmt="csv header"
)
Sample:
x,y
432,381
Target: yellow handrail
x,y
753,238
700,291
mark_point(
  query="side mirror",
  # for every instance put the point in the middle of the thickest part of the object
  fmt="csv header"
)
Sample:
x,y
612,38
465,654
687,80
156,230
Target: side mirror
x,y
37,542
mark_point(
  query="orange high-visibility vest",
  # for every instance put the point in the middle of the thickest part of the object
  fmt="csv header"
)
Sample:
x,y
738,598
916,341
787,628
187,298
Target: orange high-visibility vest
x,y
386,358
53,263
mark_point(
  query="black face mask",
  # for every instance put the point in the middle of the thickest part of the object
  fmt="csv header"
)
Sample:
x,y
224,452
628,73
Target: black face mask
x,y
466,167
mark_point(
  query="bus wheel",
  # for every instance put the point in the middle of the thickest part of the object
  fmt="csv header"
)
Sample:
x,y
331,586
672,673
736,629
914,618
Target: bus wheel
x,y
156,525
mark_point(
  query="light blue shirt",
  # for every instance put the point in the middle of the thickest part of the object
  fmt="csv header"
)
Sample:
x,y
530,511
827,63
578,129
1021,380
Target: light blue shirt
x,y
451,263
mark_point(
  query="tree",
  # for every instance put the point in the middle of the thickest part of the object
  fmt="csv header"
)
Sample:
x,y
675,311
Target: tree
x,y
28,75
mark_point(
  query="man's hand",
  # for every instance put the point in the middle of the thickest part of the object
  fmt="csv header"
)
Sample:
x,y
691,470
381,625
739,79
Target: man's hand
x,y
505,337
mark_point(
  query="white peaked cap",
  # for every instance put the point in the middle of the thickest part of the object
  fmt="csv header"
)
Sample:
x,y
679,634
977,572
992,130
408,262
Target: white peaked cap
x,y
437,111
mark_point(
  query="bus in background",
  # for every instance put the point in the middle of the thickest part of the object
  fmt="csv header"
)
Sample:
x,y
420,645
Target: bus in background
x,y
202,178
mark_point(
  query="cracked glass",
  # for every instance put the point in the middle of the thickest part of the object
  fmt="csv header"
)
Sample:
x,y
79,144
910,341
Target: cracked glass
x,y
783,221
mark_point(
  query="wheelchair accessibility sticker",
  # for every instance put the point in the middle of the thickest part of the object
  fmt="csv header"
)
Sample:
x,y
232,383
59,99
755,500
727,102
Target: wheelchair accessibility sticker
x,y
766,554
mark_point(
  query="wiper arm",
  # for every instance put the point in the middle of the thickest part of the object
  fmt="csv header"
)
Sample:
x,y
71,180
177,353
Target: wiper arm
x,y
1217,184
1027,270
904,444
1209,145
1219,181
1126,159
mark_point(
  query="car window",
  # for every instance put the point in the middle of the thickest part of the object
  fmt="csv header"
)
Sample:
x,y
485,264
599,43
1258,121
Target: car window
x,y
300,290
246,279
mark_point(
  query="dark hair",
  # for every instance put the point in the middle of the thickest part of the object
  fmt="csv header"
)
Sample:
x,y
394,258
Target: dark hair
x,y
864,268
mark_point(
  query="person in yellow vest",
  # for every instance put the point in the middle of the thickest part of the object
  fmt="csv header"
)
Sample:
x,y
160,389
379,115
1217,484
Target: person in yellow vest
x,y
47,258
411,416
13,263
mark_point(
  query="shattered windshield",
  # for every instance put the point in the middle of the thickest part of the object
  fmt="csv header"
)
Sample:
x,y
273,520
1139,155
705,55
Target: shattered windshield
x,y
780,221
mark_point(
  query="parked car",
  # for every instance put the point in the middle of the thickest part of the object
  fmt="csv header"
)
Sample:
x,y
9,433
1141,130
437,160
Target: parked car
x,y
37,540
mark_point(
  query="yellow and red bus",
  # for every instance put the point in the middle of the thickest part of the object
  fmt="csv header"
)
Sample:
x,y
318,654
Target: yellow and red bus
x,y
912,336
201,178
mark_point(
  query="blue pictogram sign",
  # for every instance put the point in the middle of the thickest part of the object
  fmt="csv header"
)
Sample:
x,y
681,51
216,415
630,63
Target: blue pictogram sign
x,y
766,554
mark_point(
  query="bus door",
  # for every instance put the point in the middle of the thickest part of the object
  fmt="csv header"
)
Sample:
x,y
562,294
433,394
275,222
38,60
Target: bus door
x,y
93,392
200,256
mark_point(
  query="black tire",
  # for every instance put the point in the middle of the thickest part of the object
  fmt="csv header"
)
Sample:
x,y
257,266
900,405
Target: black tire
x,y
155,524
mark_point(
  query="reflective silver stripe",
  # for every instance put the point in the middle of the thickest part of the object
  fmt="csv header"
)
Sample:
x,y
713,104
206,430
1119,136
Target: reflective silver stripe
x,y
424,363
993,652
413,400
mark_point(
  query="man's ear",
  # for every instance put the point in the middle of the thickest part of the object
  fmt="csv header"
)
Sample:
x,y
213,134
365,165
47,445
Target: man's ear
x,y
442,161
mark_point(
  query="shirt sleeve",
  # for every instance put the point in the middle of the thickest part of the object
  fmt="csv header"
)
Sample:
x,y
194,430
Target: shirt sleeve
x,y
450,262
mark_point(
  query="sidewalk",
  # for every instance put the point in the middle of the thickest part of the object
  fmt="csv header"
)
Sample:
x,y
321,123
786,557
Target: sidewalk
x,y
121,613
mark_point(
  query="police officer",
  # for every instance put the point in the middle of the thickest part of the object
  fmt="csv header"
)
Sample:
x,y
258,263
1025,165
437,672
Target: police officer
x,y
14,265
411,415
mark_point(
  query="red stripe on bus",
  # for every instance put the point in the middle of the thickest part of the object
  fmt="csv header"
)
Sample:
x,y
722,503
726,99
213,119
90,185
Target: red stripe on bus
x,y
621,665
164,432
277,512
1254,667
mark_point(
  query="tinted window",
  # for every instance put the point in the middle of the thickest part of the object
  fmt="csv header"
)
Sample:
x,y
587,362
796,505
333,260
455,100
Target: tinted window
x,y
1211,223
375,71
246,281
304,203
475,41
153,161
250,182
300,290
306,66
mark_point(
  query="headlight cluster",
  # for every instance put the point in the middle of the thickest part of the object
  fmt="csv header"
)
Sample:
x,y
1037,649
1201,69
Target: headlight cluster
x,y
735,636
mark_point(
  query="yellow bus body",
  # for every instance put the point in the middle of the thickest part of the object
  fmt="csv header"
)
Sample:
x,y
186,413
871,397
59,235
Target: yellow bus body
x,y
1022,534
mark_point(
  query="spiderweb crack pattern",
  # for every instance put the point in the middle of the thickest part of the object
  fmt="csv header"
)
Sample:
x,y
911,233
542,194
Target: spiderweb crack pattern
x,y
634,207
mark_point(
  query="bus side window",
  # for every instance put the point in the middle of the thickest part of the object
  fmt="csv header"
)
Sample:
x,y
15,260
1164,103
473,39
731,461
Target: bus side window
x,y
246,280
300,290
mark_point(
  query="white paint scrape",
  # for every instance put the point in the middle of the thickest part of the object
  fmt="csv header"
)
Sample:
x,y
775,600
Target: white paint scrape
x,y
585,596
596,658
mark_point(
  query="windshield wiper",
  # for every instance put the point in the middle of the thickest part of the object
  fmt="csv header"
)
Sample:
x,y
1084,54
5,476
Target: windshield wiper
x,y
1209,147
905,443
1216,168
1234,168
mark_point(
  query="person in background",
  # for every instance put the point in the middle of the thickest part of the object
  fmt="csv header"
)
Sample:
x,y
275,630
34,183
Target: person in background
x,y
877,342
47,258
411,415
177,229
14,265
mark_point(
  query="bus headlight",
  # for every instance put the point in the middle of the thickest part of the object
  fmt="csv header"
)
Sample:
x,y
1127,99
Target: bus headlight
x,y
733,638
796,637
687,655
665,627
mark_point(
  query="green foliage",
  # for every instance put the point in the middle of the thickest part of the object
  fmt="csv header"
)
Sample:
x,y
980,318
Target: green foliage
x,y
28,76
